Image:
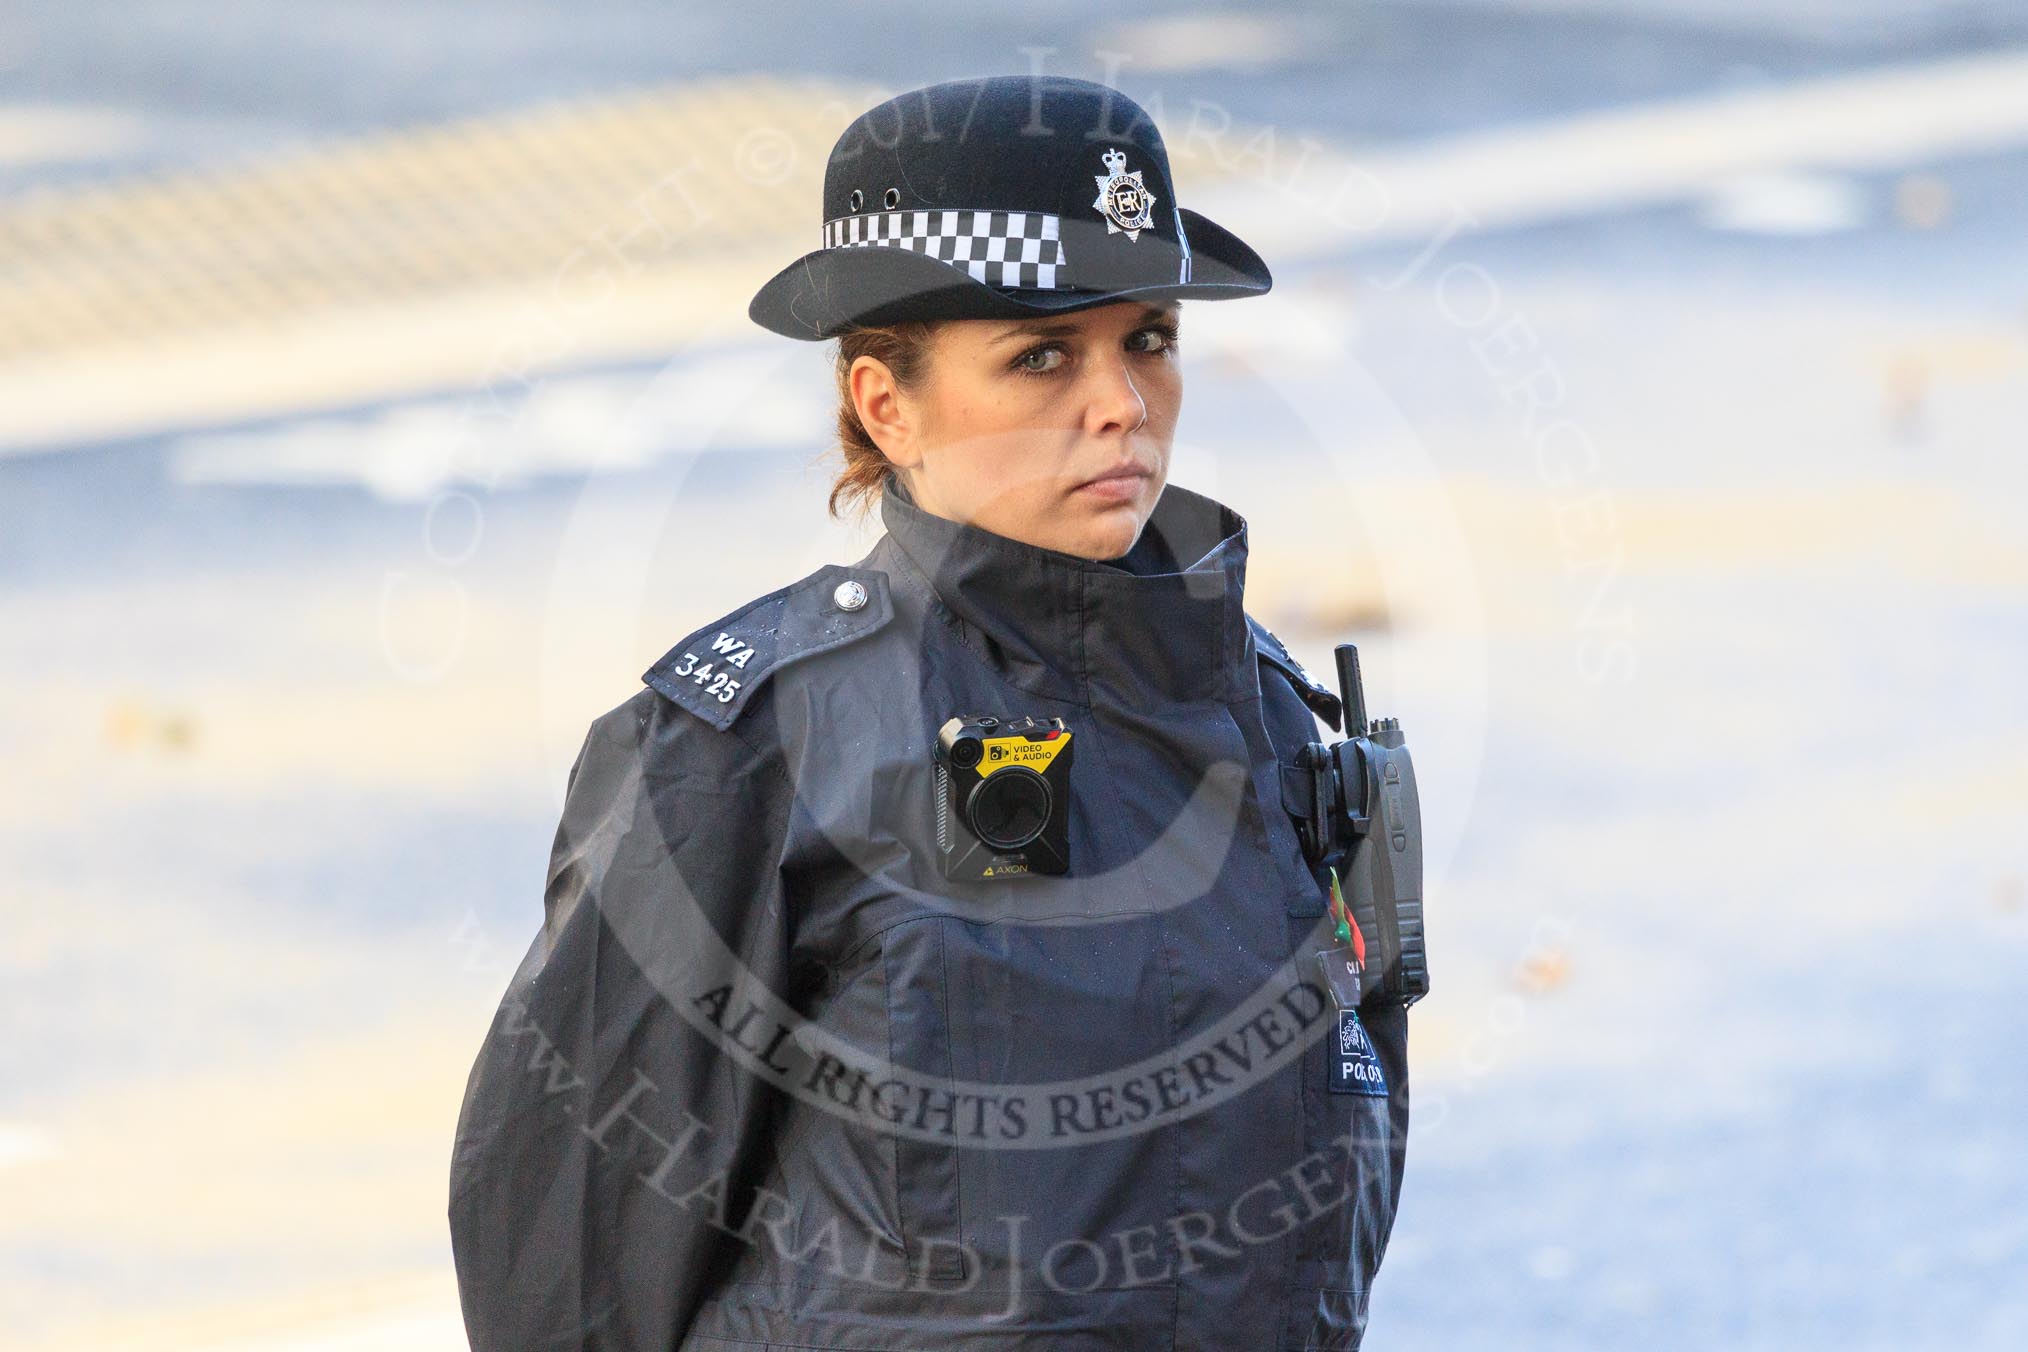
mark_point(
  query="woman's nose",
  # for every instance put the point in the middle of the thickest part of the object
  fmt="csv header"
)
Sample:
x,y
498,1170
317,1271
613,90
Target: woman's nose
x,y
1116,404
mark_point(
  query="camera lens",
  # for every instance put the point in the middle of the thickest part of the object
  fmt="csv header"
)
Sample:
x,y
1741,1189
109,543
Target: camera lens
x,y
1009,808
965,752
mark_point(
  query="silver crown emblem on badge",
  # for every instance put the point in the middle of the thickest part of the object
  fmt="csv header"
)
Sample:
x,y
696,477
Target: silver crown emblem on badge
x,y
1123,199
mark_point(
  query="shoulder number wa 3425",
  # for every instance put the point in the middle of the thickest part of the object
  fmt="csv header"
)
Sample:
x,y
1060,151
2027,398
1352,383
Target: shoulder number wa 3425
x,y
736,653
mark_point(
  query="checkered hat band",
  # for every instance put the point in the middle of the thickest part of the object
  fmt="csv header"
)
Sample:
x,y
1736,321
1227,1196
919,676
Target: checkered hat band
x,y
999,248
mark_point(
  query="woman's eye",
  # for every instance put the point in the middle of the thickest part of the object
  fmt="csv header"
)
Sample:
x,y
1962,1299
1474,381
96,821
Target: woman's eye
x,y
1041,359
1155,339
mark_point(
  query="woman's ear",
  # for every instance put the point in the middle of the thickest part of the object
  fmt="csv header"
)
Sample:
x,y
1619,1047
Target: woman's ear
x,y
884,412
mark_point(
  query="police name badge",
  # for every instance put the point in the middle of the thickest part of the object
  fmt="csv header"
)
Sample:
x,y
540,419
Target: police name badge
x,y
1354,1067
1342,973
1123,199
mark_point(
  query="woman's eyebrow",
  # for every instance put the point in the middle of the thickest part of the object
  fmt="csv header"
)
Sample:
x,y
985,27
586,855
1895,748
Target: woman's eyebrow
x,y
1061,328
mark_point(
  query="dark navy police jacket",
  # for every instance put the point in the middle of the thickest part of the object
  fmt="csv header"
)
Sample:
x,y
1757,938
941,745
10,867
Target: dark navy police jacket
x,y
766,1079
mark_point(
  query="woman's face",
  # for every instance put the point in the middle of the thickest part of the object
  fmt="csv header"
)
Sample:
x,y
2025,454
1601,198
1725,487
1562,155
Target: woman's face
x,y
1054,431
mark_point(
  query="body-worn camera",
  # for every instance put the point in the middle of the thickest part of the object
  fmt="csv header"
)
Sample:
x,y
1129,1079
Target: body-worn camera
x,y
1002,797
1355,808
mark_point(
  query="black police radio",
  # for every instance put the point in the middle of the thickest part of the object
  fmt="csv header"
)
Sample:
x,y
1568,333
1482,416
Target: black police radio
x,y
1002,797
1356,810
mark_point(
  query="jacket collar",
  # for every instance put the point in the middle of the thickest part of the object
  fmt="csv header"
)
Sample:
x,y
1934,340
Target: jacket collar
x,y
1162,624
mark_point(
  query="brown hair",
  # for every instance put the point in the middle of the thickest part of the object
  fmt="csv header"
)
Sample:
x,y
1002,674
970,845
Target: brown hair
x,y
904,350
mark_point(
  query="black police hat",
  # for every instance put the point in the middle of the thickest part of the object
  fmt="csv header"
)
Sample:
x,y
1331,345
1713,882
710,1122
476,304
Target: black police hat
x,y
1004,197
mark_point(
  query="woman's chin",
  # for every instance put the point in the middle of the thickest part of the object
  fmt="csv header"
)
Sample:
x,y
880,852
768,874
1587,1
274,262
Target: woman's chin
x,y
1109,533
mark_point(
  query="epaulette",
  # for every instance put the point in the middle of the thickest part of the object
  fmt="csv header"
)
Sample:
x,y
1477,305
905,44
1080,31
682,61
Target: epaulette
x,y
715,671
1320,697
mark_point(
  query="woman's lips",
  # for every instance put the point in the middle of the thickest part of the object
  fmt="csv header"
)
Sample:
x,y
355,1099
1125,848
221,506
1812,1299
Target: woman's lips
x,y
1119,485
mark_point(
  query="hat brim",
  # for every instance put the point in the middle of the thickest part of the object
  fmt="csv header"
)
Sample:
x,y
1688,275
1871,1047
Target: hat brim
x,y
828,291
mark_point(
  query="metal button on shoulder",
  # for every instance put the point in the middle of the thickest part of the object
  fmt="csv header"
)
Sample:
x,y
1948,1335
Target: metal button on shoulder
x,y
849,596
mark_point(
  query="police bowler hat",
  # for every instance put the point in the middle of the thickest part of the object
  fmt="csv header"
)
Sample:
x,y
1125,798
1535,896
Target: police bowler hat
x,y
1005,197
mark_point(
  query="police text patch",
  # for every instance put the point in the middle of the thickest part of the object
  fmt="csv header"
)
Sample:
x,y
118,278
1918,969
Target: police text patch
x,y
1354,1067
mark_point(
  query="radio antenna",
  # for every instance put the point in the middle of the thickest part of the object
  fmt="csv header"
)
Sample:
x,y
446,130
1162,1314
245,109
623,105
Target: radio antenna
x,y
1351,691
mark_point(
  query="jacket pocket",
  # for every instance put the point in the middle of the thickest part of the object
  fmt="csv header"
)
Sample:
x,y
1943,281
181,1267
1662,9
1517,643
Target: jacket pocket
x,y
1363,1134
919,1039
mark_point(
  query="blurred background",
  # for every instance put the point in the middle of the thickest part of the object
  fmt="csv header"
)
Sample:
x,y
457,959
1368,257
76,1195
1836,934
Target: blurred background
x,y
1644,388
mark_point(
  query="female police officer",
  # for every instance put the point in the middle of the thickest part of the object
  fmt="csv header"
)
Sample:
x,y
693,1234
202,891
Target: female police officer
x,y
925,963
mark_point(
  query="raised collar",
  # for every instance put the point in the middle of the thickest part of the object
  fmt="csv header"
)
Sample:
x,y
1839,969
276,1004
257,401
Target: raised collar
x,y
1162,624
